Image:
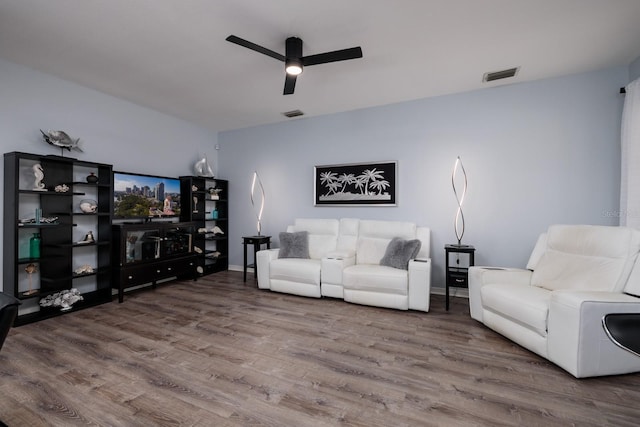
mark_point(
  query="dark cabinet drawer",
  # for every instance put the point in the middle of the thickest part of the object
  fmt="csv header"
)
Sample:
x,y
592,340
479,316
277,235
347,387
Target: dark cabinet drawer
x,y
458,279
179,267
151,273
131,276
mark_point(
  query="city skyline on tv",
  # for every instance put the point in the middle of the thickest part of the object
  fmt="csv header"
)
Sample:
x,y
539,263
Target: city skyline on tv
x,y
123,180
137,196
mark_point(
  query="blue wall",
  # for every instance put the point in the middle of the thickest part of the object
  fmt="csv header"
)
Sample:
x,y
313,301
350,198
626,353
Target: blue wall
x,y
535,153
113,131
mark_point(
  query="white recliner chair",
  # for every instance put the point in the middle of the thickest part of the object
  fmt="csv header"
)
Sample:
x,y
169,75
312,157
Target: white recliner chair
x,y
299,276
369,283
576,275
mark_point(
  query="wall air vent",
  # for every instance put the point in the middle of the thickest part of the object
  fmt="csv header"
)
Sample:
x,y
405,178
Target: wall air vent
x,y
503,74
293,113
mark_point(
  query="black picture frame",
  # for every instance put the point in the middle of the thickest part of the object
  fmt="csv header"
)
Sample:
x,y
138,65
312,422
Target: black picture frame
x,y
356,184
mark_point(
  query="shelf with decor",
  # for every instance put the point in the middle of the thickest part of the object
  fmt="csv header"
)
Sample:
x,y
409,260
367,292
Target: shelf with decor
x,y
209,207
43,223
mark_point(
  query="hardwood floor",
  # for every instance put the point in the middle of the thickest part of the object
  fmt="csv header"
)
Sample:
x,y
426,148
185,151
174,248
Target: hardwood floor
x,y
218,352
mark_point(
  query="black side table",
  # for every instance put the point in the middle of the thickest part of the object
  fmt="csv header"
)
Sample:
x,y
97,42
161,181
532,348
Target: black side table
x,y
456,275
257,242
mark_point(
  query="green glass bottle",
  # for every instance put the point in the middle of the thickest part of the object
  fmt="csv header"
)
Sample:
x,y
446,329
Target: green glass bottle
x,y
34,246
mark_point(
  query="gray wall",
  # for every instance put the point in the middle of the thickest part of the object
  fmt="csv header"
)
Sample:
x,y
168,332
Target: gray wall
x,y
535,153
113,131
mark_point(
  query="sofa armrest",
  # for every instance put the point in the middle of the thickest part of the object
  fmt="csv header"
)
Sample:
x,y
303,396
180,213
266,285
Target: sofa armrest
x,y
419,284
263,261
331,268
576,340
480,276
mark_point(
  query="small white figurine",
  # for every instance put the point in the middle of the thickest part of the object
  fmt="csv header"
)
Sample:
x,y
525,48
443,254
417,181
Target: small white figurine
x,y
39,174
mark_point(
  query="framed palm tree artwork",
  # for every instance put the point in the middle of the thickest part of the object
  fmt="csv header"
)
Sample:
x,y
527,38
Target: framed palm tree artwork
x,y
356,184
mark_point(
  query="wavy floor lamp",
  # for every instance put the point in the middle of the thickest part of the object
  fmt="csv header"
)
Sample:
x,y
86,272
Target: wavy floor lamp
x,y
458,224
256,180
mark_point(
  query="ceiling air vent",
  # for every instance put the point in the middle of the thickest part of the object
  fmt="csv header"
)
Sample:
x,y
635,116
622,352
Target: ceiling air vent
x,y
293,113
497,75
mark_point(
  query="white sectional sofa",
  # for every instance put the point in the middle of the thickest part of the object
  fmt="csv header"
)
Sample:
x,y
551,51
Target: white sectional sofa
x,y
344,261
576,275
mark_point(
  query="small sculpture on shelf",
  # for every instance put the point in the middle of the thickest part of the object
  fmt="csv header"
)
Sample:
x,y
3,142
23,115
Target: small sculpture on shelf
x,y
38,172
63,299
195,204
30,269
62,188
215,193
88,238
202,168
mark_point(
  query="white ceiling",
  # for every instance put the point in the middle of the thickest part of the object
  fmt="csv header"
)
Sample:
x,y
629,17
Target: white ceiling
x,y
171,55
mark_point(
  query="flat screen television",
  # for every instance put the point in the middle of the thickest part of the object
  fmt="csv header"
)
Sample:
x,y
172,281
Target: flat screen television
x,y
145,196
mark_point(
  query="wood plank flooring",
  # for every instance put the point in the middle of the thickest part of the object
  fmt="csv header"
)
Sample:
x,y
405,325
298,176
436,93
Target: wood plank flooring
x,y
219,352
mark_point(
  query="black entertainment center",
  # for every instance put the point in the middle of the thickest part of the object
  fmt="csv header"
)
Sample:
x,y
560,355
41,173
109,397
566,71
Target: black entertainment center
x,y
152,251
77,228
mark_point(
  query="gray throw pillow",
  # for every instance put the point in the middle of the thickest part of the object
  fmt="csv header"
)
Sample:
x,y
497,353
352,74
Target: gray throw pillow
x,y
399,252
294,245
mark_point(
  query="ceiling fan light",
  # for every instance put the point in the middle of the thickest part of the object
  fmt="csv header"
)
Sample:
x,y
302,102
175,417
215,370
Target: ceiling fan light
x,y
294,67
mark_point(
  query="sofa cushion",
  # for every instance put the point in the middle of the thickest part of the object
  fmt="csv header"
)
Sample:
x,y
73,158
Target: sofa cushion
x,y
375,278
323,235
633,284
348,235
370,250
294,245
523,304
374,236
586,257
399,252
295,270
538,250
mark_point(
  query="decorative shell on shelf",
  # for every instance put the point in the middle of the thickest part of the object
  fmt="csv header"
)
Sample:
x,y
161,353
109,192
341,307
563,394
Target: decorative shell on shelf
x,y
62,188
88,206
84,269
62,299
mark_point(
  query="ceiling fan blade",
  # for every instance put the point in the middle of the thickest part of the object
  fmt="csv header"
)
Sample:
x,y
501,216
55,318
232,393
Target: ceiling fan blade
x,y
289,84
253,46
336,55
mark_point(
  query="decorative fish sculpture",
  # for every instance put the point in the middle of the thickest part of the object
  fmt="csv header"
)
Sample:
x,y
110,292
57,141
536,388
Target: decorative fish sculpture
x,y
61,140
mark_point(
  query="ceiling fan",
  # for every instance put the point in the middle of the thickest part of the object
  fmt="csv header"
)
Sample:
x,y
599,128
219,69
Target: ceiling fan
x,y
293,59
